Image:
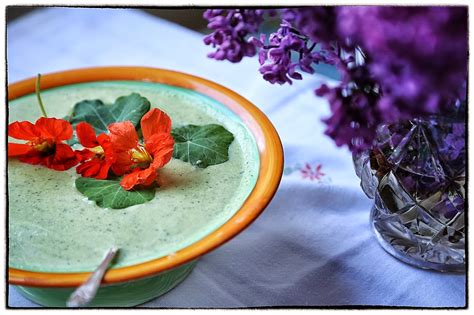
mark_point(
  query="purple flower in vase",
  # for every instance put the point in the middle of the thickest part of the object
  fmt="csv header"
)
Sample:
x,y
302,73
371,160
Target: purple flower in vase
x,y
231,28
282,46
396,63
454,142
318,23
350,122
417,54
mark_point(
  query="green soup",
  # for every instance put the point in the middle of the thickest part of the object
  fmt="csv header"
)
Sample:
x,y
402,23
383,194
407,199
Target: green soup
x,y
54,228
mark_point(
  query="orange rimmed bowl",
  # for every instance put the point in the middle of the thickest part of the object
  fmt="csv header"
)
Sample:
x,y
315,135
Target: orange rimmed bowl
x,y
136,284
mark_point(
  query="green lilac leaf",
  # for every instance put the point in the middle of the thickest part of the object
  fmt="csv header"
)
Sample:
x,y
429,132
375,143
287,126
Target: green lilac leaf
x,y
100,115
202,145
109,193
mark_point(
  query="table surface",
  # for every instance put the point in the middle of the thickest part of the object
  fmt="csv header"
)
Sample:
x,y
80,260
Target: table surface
x,y
313,245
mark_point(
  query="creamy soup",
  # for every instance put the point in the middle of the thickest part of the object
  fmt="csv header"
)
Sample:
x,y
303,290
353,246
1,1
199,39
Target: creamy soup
x,y
54,228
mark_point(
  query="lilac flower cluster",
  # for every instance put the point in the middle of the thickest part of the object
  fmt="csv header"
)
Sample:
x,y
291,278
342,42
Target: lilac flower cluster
x,y
354,118
318,23
455,142
231,28
395,62
283,44
418,54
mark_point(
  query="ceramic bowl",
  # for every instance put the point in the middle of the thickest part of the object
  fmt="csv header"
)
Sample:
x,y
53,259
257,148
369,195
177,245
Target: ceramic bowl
x,y
136,284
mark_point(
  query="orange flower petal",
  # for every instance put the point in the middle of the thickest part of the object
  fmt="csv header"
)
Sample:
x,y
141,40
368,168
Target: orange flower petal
x,y
63,159
53,128
123,136
104,170
155,121
144,177
94,168
129,180
122,162
19,149
89,168
106,144
86,135
84,155
23,130
161,148
103,140
32,159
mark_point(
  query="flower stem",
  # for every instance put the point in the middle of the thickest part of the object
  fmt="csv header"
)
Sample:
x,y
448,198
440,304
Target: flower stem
x,y
38,95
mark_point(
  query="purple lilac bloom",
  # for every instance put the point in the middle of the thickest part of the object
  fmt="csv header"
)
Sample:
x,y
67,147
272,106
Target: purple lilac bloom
x,y
355,123
282,45
453,143
352,117
414,59
231,29
417,54
318,23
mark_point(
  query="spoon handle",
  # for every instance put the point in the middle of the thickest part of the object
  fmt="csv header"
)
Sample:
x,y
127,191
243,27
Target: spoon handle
x,y
84,294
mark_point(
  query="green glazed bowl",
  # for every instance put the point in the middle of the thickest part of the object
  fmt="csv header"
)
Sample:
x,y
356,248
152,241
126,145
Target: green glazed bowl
x,y
125,294
136,284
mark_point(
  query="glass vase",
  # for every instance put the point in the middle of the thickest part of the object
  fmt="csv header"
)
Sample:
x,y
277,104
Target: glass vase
x,y
416,175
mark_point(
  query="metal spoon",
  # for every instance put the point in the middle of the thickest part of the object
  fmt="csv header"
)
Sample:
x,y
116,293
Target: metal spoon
x,y
84,294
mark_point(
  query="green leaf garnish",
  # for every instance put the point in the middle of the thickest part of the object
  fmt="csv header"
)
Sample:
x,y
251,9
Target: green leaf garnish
x,y
100,115
202,145
109,193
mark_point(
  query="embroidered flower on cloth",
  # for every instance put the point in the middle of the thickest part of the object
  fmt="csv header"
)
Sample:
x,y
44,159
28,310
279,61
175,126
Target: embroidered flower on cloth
x,y
140,162
44,144
312,174
98,156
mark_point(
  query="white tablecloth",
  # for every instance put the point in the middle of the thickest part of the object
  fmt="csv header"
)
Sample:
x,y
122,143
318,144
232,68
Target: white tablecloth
x,y
313,245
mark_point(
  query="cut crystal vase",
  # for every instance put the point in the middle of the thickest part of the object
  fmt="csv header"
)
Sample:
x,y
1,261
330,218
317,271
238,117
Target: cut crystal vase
x,y
416,175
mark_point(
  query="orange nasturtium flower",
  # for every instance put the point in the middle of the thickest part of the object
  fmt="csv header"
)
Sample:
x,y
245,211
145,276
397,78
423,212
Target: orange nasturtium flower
x,y
140,162
44,144
98,156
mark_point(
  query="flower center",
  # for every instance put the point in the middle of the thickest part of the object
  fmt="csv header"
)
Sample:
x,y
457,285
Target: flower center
x,y
98,151
44,146
141,156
